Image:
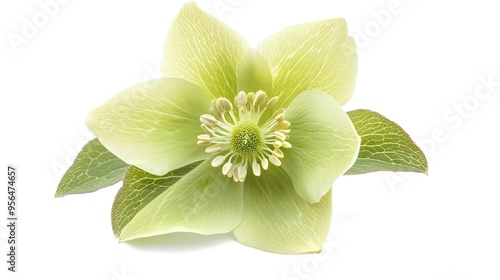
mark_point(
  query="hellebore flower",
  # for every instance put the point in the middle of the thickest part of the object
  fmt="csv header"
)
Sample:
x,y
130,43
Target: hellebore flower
x,y
264,125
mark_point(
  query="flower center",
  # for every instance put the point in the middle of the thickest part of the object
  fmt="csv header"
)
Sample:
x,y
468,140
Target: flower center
x,y
246,138
239,137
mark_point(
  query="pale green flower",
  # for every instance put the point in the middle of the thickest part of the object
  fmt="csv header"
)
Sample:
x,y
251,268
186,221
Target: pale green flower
x,y
266,122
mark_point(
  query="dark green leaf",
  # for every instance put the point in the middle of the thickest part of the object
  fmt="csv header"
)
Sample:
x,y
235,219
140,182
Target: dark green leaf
x,y
94,168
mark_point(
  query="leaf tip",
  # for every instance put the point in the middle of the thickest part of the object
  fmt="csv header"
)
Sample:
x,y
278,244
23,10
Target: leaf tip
x,y
59,192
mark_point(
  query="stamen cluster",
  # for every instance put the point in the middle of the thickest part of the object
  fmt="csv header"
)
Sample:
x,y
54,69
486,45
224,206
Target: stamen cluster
x,y
239,137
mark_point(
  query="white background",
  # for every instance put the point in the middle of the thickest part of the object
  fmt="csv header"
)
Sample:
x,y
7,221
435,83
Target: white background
x,y
421,66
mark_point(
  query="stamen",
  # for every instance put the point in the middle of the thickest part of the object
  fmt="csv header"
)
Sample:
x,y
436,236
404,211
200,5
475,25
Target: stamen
x,y
272,102
218,161
226,168
208,120
255,168
278,153
286,145
274,160
207,129
240,139
213,149
264,163
241,99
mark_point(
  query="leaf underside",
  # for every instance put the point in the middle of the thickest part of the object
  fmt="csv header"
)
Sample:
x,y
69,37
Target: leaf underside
x,y
385,146
139,189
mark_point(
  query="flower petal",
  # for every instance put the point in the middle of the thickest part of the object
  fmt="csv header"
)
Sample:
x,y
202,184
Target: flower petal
x,y
204,51
277,220
254,73
153,125
316,55
324,144
203,201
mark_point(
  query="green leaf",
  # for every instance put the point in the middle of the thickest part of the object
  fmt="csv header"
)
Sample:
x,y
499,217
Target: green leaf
x,y
203,201
94,168
277,219
324,144
385,146
139,189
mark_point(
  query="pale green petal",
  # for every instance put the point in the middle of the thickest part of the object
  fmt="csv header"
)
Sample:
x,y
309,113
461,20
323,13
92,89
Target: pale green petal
x,y
204,51
276,219
153,125
204,201
254,73
316,55
324,144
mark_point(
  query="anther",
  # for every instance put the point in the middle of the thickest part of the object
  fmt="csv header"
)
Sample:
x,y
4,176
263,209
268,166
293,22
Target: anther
x,y
286,145
226,168
255,168
278,153
274,160
207,129
272,102
241,99
209,120
213,149
218,161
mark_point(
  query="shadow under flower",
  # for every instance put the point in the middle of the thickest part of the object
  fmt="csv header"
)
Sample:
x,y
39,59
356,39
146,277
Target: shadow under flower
x,y
181,242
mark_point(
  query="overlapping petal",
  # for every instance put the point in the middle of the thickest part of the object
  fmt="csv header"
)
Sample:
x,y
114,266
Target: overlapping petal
x,y
324,144
316,55
254,73
204,51
203,201
277,220
153,125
